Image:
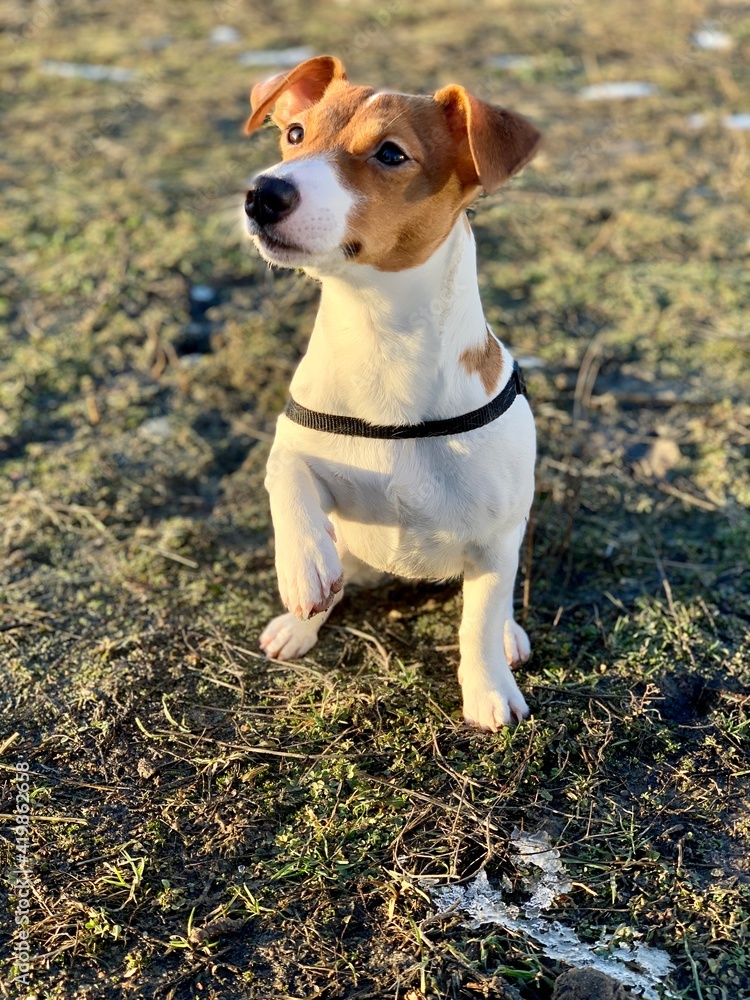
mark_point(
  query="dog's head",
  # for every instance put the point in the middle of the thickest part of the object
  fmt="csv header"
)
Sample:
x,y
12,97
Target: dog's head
x,y
370,177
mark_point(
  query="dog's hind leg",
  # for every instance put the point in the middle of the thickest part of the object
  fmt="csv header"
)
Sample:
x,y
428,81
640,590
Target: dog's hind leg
x,y
491,697
515,641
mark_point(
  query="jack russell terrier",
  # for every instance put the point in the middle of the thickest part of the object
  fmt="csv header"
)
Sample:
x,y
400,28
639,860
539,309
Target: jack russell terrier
x,y
408,446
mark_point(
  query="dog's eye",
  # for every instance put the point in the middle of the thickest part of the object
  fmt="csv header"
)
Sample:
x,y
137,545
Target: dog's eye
x,y
295,134
390,155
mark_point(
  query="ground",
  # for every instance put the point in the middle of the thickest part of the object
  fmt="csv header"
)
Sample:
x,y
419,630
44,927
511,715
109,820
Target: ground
x,y
207,824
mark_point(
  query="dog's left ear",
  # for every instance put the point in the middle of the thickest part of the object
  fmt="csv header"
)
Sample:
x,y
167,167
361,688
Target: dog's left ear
x,y
290,93
492,143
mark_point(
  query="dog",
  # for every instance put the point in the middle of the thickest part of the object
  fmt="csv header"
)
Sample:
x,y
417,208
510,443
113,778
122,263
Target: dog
x,y
408,447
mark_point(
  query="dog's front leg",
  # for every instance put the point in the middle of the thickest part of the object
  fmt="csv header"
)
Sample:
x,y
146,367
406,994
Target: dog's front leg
x,y
491,697
307,564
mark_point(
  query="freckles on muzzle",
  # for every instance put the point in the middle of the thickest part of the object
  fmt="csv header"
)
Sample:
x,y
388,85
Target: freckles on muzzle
x,y
301,203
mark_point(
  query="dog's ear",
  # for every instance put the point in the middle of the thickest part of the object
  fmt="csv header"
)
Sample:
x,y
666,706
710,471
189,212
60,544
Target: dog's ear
x,y
292,92
492,144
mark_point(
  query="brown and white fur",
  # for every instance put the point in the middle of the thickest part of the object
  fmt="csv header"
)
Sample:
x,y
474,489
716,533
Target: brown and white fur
x,y
400,337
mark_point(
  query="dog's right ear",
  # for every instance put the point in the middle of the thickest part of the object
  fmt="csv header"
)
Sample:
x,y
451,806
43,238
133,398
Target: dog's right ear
x,y
290,93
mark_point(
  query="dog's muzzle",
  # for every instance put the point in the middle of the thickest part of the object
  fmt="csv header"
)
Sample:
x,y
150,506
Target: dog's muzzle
x,y
270,200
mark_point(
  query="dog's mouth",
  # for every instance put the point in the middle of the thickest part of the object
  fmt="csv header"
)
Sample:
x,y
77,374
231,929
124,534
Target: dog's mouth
x,y
288,254
275,245
272,246
352,249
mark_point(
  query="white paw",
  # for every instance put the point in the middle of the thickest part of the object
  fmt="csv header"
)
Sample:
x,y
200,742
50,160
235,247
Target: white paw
x,y
309,571
516,643
286,637
491,705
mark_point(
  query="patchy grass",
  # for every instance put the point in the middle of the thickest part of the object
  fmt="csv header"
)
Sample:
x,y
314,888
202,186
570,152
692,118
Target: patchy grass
x,y
209,825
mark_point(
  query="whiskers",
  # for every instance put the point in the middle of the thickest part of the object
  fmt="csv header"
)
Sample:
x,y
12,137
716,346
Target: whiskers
x,y
221,211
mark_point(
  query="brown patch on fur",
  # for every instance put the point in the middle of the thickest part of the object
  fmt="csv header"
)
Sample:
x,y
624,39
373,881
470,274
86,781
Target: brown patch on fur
x,y
492,144
486,361
294,91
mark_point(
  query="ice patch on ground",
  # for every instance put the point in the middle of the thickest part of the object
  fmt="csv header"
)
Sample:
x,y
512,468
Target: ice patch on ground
x,y
737,123
224,34
638,966
275,57
711,39
533,850
510,62
530,361
88,71
617,91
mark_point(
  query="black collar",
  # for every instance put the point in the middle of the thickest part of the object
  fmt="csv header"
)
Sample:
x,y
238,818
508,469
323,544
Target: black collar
x,y
355,427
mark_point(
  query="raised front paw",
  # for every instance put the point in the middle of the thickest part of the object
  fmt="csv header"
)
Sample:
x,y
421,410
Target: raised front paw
x,y
490,703
309,572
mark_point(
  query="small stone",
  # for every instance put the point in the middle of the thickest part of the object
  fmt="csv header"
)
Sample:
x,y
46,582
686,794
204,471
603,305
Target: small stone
x,y
588,984
663,456
156,429
145,770
202,293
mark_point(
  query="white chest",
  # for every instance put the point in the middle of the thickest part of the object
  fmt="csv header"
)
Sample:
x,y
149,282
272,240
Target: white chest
x,y
416,507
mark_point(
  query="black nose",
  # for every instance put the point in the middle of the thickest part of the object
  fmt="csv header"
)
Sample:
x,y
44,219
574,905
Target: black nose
x,y
271,200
